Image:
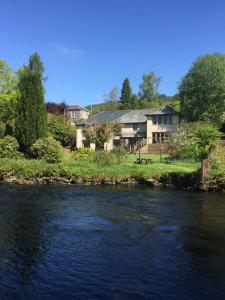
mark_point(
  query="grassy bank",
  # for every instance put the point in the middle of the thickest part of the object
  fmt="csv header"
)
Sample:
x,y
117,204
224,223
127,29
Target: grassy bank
x,y
87,171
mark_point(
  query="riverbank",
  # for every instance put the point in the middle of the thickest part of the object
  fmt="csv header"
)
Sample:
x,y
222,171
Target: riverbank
x,y
175,174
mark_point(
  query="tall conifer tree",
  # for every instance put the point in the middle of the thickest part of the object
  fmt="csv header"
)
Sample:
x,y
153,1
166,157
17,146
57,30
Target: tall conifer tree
x,y
31,118
126,95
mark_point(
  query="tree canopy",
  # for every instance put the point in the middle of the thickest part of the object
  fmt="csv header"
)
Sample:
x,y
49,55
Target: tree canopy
x,y
126,95
149,87
202,90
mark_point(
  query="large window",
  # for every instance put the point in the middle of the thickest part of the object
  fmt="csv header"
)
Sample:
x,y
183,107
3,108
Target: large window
x,y
162,120
74,114
160,137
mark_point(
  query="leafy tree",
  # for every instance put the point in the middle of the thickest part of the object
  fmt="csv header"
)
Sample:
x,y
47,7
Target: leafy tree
x,y
31,117
103,134
8,94
111,99
89,134
149,87
60,130
127,100
202,90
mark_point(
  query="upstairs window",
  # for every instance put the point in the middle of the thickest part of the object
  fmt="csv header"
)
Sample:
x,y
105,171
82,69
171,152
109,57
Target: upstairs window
x,y
162,120
136,126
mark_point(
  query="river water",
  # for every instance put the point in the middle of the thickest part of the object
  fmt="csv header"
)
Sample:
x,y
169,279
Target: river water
x,y
111,243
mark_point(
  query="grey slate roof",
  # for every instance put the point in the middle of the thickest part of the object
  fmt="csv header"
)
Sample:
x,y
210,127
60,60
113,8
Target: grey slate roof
x,y
126,116
76,107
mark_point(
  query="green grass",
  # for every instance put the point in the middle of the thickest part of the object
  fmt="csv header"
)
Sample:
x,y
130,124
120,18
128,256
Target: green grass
x,y
87,170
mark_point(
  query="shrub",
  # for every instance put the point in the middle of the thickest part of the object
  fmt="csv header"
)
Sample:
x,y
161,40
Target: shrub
x,y
103,158
9,148
60,130
48,149
84,154
217,158
193,140
2,129
119,153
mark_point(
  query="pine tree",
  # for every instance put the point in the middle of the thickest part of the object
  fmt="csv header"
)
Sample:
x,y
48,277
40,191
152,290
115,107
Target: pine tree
x,y
126,95
31,118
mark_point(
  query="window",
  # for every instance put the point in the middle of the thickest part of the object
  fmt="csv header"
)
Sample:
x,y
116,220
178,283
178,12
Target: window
x,y
136,126
160,137
162,120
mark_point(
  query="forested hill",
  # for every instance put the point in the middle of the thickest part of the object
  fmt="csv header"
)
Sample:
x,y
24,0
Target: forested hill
x,y
163,100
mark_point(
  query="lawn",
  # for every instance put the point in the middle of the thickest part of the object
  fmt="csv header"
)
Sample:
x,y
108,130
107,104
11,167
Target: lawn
x,y
87,170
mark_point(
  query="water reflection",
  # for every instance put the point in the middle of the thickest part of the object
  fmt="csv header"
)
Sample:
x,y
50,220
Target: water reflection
x,y
95,243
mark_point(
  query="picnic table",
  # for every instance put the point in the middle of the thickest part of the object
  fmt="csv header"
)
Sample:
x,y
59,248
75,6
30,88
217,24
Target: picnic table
x,y
143,161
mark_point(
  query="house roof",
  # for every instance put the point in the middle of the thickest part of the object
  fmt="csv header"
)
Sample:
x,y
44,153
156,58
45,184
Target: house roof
x,y
76,107
127,116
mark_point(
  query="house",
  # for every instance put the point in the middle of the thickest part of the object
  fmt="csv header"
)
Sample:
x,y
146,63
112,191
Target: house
x,y
75,114
140,128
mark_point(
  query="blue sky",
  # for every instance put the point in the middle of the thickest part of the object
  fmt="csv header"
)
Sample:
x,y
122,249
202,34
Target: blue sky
x,y
90,46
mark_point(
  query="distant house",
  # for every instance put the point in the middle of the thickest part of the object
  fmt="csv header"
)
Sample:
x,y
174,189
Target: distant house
x,y
76,113
140,128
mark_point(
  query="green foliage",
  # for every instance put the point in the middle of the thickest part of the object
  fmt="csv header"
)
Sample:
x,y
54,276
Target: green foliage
x,y
119,153
181,144
48,149
9,148
60,130
31,117
217,157
103,133
103,158
89,134
2,129
127,100
202,90
84,154
8,93
205,135
193,141
149,87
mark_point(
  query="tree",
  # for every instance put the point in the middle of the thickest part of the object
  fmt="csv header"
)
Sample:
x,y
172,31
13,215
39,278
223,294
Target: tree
x,y
8,94
89,135
149,87
111,99
31,116
103,133
127,100
60,130
202,90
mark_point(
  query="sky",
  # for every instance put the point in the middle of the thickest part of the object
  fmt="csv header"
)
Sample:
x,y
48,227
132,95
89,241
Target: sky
x,y
90,46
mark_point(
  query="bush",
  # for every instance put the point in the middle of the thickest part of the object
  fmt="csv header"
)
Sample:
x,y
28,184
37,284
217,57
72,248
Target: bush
x,y
103,158
2,129
48,149
217,158
119,153
60,130
193,140
9,148
84,154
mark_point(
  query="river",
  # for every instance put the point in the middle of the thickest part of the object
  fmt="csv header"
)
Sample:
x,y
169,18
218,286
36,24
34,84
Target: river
x,y
98,243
